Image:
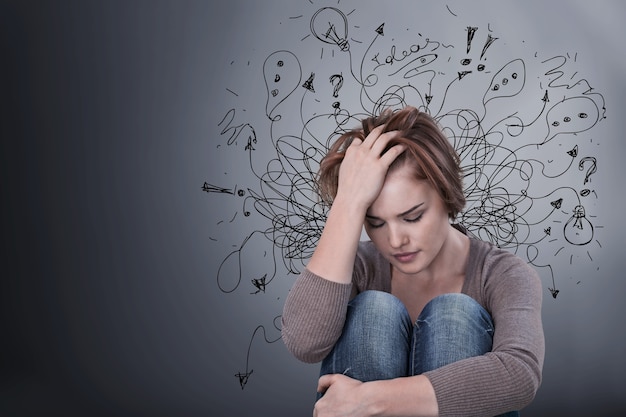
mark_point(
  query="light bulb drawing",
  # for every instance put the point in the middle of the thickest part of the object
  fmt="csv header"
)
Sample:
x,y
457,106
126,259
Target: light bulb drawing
x,y
330,26
578,230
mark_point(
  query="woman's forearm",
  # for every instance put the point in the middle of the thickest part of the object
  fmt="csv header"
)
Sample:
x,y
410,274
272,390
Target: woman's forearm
x,y
402,397
334,255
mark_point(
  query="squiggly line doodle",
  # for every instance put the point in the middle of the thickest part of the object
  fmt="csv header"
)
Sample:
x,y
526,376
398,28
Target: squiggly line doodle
x,y
522,127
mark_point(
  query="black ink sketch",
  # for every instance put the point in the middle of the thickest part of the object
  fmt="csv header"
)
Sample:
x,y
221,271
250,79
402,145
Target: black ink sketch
x,y
520,126
243,377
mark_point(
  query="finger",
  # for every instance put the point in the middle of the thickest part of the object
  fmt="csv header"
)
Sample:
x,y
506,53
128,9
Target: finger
x,y
383,140
355,141
373,135
392,153
324,383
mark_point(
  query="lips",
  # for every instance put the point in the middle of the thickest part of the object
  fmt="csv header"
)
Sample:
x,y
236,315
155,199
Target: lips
x,y
405,257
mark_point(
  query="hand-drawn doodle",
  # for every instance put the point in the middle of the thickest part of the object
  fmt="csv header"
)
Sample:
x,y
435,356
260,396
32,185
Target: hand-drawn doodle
x,y
507,82
578,230
571,115
282,74
520,182
330,25
592,169
244,376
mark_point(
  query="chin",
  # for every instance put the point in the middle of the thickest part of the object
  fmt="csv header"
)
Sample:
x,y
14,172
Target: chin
x,y
407,269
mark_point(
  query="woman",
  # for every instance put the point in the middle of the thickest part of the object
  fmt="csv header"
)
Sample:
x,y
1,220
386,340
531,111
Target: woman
x,y
422,320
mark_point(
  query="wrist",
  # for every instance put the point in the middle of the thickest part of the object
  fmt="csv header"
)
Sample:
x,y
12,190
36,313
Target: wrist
x,y
350,206
403,396
373,398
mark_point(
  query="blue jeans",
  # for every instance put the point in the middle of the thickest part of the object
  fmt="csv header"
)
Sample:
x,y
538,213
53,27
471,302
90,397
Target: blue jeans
x,y
379,340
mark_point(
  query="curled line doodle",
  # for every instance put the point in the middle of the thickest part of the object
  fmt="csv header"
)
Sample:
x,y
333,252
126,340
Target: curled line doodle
x,y
237,254
243,377
531,259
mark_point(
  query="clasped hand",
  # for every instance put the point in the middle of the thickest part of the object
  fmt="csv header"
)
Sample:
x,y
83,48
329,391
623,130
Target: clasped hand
x,y
342,397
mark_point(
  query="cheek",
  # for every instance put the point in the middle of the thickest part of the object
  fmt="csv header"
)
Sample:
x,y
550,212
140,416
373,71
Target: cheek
x,y
377,236
371,233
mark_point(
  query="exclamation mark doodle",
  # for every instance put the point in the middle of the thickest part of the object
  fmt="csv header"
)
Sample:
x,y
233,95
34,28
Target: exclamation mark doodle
x,y
488,42
471,31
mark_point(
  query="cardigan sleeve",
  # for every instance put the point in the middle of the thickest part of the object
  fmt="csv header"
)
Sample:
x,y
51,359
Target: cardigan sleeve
x,y
313,316
315,309
507,378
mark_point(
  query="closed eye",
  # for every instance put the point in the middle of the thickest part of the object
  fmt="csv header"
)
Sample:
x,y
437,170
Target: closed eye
x,y
414,219
375,225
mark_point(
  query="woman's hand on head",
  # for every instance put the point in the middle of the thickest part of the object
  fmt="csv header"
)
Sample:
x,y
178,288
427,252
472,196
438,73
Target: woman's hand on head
x,y
363,169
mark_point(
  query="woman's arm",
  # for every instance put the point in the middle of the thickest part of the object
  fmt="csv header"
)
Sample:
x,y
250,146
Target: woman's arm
x,y
402,397
361,177
314,311
507,378
504,379
334,255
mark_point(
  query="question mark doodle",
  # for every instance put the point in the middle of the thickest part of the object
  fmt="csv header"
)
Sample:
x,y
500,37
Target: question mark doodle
x,y
592,169
337,81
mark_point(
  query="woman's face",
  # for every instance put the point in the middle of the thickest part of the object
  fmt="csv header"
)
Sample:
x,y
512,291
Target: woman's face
x,y
408,221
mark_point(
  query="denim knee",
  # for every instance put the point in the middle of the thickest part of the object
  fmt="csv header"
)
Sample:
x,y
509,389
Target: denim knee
x,y
380,319
451,327
375,341
457,307
379,304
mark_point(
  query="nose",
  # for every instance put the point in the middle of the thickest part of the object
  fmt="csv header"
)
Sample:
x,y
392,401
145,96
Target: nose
x,y
397,237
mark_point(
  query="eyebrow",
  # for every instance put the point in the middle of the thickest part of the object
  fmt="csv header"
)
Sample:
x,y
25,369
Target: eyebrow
x,y
409,211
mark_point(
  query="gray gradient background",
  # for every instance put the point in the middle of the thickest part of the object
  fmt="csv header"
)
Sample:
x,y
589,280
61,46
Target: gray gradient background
x,y
109,304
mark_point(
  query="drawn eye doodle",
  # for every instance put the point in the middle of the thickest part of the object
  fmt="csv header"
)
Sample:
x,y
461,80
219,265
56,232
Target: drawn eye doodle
x,y
563,111
480,67
282,71
466,61
511,79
